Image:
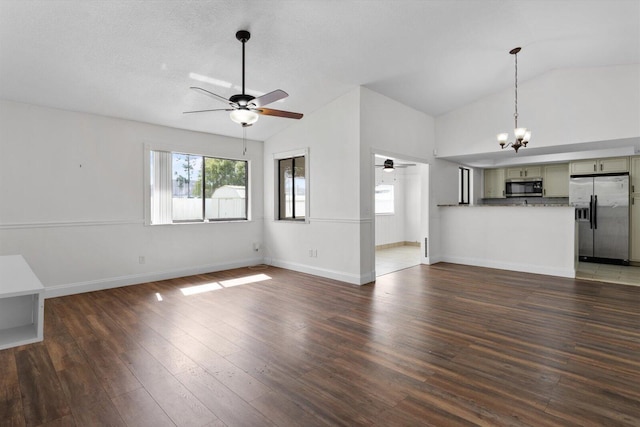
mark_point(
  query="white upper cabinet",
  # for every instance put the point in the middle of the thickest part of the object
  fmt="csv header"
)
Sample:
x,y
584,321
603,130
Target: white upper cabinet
x,y
555,181
595,166
494,183
525,172
616,164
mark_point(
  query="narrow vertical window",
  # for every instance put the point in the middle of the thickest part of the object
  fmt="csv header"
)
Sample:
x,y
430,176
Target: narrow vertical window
x,y
292,188
463,188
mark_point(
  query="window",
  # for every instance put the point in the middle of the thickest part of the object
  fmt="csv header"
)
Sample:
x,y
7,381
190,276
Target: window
x,y
193,188
384,199
292,188
463,187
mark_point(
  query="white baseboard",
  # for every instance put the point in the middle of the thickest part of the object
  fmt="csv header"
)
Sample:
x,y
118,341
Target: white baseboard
x,y
135,279
323,272
525,268
433,259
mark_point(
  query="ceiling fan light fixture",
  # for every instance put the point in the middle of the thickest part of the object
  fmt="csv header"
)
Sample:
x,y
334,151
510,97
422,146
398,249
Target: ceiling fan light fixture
x,y
244,116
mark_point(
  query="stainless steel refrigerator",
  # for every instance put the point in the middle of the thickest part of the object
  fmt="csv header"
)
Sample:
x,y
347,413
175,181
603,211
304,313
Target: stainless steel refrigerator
x,y
602,213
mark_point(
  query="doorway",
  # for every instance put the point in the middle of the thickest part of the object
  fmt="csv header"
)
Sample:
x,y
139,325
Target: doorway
x,y
398,212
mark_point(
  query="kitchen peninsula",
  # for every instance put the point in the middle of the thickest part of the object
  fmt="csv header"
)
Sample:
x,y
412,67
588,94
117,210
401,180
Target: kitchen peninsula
x,y
532,238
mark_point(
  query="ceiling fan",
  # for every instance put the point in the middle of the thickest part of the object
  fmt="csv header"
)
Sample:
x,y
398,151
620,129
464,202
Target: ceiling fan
x,y
246,108
389,165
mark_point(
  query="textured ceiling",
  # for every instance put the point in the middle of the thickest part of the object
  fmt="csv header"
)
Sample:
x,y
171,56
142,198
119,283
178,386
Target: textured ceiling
x,y
137,59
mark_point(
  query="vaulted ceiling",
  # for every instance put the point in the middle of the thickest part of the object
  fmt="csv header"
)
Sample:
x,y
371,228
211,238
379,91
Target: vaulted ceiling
x,y
137,59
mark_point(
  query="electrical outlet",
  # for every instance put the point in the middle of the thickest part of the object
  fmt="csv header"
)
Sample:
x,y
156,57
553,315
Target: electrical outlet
x,y
315,253
141,260
311,253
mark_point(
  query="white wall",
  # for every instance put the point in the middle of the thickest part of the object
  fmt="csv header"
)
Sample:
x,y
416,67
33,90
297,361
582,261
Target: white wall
x,y
72,192
331,135
389,127
541,241
443,188
567,106
72,201
342,138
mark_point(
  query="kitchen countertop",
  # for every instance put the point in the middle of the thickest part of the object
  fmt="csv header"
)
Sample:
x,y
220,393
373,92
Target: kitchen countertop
x,y
511,205
519,201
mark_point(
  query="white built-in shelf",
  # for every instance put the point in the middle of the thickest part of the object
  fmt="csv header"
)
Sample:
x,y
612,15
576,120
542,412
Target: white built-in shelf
x,y
21,303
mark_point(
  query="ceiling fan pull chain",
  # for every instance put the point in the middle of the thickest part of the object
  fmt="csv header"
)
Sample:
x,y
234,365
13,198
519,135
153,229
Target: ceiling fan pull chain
x,y
244,140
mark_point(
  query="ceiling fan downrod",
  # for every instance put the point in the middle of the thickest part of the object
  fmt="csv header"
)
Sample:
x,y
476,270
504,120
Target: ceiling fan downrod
x,y
243,36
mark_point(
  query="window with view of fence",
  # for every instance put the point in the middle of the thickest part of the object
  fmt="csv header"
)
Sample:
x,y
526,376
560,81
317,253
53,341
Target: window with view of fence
x,y
192,188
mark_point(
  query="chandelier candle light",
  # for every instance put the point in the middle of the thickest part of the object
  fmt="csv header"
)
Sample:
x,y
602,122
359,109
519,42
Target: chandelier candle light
x,y
522,135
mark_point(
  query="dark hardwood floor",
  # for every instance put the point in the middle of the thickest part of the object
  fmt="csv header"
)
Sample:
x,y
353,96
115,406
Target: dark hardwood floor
x,y
443,345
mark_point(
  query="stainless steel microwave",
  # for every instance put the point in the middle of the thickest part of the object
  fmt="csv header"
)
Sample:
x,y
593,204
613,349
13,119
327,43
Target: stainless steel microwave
x,y
523,187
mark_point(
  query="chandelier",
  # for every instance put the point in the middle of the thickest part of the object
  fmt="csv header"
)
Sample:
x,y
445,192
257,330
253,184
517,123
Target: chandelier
x,y
522,135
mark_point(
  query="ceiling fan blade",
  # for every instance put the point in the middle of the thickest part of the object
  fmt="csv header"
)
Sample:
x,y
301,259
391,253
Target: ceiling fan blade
x,y
268,98
212,95
204,111
278,113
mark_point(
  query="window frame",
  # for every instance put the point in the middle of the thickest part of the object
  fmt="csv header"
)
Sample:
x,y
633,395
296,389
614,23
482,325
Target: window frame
x,y
462,178
277,157
149,149
204,199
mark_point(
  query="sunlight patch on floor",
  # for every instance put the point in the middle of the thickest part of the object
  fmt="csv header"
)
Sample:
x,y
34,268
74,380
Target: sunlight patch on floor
x,y
244,280
215,286
199,289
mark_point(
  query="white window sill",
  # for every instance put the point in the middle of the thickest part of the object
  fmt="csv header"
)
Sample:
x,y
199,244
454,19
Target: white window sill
x,y
232,221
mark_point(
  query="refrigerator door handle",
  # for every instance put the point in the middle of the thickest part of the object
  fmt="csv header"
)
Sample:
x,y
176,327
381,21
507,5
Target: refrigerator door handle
x,y
591,212
595,212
